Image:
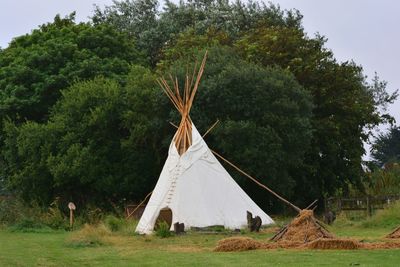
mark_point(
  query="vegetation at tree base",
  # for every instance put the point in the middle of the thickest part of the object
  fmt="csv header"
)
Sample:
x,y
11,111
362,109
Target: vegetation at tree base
x,y
91,244
82,118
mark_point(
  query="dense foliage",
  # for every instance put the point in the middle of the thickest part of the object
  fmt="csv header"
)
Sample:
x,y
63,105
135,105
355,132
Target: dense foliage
x,y
35,67
83,119
386,148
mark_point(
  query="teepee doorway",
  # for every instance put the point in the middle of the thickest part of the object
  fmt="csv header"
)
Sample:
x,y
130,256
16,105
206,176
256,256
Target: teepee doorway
x,y
165,215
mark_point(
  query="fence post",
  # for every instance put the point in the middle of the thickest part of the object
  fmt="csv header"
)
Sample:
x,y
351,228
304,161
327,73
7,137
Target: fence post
x,y
339,204
369,210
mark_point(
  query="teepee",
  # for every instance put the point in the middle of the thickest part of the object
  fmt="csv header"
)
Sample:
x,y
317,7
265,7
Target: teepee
x,y
193,186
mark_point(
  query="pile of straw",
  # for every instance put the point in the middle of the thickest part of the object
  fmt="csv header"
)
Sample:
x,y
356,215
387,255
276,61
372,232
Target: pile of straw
x,y
303,229
238,244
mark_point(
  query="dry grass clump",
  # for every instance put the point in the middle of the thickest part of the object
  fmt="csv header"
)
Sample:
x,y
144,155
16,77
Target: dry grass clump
x,y
90,235
238,244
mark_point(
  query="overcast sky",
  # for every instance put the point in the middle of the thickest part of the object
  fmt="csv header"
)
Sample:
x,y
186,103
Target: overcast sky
x,y
366,31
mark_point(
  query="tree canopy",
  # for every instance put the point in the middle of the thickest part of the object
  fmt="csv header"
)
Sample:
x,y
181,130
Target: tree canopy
x,y
386,148
35,67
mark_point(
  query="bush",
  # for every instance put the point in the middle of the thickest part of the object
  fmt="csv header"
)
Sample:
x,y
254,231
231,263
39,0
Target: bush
x,y
54,217
113,223
11,211
18,216
388,217
162,230
29,225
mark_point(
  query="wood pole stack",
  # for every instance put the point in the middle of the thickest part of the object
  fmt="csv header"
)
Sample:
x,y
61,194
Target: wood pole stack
x,y
183,100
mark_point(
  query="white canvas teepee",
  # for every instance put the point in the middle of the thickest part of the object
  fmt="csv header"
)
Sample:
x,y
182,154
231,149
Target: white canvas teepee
x,y
193,184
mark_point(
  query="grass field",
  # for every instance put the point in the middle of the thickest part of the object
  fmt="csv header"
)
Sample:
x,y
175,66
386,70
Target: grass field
x,y
53,248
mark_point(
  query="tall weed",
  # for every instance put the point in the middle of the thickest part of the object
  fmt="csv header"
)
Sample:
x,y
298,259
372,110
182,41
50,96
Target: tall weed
x,y
388,217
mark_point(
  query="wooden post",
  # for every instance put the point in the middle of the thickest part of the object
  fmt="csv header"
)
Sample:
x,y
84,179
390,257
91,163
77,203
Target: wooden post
x,y
339,204
71,207
369,211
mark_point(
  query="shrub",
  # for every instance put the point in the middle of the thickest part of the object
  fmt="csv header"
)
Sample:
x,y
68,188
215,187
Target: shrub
x,y
11,211
120,225
162,230
388,217
54,217
113,223
29,225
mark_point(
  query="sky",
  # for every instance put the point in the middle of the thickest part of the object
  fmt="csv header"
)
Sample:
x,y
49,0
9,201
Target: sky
x,y
366,31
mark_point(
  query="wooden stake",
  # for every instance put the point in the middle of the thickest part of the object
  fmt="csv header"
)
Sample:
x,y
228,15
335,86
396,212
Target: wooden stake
x,y
71,207
137,207
209,129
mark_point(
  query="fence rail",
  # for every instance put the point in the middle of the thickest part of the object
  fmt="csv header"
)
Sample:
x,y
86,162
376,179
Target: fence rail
x,y
366,203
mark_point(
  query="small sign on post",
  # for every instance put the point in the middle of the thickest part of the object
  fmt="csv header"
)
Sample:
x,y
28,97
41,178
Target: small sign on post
x,y
71,207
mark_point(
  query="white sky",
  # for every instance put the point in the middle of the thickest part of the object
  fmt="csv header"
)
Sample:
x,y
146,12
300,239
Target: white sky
x,y
366,31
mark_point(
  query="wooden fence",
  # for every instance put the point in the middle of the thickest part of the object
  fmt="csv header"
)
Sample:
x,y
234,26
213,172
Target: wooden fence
x,y
366,203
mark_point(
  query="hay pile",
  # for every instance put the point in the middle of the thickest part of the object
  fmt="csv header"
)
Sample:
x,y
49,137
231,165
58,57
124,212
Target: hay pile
x,y
238,244
334,244
303,229
304,232
395,233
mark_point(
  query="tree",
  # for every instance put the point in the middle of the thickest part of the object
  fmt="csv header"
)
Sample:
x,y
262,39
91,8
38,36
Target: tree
x,y
37,66
386,148
90,150
153,29
346,107
264,119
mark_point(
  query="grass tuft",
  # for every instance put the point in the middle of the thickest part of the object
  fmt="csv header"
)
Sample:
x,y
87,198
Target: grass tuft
x,y
163,230
90,236
388,217
29,226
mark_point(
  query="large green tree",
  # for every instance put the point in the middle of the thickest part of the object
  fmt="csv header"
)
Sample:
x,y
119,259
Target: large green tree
x,y
93,149
386,147
154,28
35,67
346,107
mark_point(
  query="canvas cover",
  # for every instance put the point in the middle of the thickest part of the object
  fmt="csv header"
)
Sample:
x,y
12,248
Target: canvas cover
x,y
199,191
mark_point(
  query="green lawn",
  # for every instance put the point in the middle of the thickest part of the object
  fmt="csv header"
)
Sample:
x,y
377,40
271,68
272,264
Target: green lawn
x,y
52,249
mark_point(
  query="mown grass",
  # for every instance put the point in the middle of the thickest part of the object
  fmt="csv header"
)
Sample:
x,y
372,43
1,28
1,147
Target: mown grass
x,y
112,242
192,249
